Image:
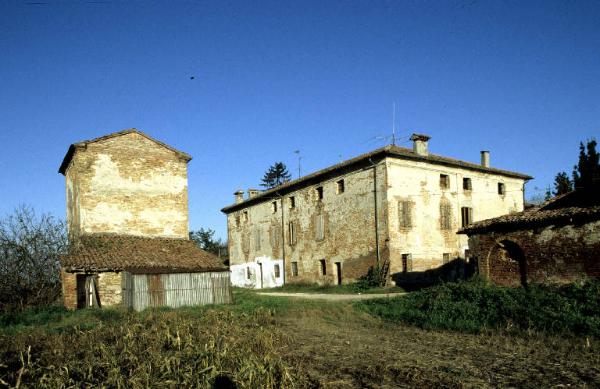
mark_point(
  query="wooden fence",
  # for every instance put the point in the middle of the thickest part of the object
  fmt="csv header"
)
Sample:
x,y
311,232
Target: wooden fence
x,y
141,291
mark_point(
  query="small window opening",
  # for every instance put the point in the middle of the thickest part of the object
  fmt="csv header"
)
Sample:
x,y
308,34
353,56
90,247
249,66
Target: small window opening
x,y
245,216
406,263
501,189
248,273
467,183
323,267
466,216
320,193
292,202
446,258
294,269
444,181
274,204
277,271
340,186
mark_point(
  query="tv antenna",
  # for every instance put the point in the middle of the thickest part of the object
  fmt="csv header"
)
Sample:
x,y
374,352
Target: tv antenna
x,y
394,125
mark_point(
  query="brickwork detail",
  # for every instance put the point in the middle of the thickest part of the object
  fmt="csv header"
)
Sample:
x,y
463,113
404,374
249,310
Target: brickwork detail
x,y
553,254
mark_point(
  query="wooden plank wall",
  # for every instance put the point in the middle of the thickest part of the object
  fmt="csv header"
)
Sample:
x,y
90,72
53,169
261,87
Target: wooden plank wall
x,y
141,291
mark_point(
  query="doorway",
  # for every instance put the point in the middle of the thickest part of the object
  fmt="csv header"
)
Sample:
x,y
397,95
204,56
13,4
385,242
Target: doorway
x,y
338,269
87,292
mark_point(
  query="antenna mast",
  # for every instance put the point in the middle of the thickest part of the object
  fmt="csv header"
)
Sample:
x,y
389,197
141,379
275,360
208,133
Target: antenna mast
x,y
394,125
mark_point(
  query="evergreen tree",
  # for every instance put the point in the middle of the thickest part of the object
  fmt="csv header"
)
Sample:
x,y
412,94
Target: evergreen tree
x,y
562,184
586,173
276,175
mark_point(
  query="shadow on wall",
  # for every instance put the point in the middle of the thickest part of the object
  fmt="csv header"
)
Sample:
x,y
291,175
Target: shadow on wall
x,y
455,270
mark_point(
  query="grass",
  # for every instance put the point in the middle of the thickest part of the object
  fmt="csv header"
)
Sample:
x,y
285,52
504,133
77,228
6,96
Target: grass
x,y
264,341
477,306
333,289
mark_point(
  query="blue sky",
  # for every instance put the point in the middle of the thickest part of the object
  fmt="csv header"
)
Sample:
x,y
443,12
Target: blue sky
x,y
520,78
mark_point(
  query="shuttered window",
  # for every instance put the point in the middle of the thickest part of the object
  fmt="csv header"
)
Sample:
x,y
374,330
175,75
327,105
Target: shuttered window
x,y
406,263
466,216
292,233
445,216
405,214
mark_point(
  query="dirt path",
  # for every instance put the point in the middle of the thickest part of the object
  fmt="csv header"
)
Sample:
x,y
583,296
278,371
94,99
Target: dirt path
x,y
332,296
335,350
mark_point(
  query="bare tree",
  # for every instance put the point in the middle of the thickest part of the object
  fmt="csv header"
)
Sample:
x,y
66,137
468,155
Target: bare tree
x,y
29,258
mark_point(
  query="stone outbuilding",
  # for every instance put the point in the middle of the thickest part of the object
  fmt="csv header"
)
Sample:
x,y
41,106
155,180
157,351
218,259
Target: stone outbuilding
x,y
557,242
127,218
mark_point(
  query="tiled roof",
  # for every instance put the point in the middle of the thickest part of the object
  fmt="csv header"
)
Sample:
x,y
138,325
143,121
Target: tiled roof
x,y
534,217
67,159
138,254
359,161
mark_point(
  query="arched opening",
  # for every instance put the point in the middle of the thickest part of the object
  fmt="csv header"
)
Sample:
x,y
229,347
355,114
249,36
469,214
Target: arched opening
x,y
510,251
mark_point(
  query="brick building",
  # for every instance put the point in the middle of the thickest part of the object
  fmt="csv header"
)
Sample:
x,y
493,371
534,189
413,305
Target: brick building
x,y
127,218
396,207
556,242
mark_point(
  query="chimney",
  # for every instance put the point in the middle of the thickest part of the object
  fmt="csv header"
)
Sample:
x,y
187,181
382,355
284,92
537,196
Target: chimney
x,y
485,158
420,144
239,196
253,193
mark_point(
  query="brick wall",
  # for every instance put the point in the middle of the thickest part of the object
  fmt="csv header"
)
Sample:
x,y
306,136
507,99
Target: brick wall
x,y
69,289
552,254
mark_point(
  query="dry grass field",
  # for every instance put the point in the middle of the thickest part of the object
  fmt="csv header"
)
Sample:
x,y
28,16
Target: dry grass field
x,y
264,341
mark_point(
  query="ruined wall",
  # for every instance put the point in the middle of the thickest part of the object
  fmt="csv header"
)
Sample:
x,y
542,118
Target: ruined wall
x,y
552,254
345,219
418,183
127,184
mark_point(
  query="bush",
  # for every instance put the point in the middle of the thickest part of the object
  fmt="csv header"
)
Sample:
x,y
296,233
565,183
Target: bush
x,y
29,259
474,306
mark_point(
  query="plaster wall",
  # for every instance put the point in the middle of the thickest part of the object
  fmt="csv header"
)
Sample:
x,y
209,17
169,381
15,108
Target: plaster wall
x,y
127,184
419,184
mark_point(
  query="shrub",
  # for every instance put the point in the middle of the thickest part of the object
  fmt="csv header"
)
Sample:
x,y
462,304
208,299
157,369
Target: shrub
x,y
474,306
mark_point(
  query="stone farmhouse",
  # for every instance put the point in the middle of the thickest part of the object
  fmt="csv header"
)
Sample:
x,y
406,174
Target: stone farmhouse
x,y
127,217
557,242
396,207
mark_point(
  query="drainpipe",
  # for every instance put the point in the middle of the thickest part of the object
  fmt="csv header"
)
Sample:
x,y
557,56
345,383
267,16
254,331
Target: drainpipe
x,y
376,217
282,236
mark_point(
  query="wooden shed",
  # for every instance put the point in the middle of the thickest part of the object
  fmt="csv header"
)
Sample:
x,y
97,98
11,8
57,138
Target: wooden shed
x,y
141,272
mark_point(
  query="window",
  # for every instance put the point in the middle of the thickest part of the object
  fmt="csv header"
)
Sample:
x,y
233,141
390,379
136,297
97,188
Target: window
x,y
404,214
256,239
248,273
340,186
466,216
245,216
320,193
319,227
501,189
444,181
323,266
294,269
274,206
292,202
237,220
446,258
467,183
277,271
292,233
406,263
445,216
